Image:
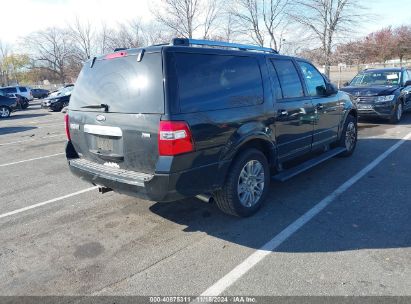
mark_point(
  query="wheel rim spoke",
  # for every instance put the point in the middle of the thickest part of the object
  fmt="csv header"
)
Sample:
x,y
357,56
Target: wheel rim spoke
x,y
251,183
350,136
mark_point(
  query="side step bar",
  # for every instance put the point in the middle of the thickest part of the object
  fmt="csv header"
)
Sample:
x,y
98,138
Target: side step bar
x,y
289,173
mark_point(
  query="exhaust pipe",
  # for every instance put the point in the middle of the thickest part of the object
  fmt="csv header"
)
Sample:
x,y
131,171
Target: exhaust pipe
x,y
205,198
103,190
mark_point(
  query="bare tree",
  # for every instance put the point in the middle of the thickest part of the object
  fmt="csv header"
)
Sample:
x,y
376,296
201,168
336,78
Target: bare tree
x,y
180,16
103,39
52,49
262,19
228,30
4,52
187,18
211,10
402,37
325,19
82,34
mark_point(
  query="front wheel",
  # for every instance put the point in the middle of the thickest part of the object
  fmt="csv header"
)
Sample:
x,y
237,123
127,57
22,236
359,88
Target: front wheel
x,y
396,116
349,136
246,185
4,112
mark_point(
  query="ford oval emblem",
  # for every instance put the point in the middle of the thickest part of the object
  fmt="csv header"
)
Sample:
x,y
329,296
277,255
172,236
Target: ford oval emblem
x,y
100,118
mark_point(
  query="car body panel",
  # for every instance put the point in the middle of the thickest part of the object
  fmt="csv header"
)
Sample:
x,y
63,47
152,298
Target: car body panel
x,y
217,134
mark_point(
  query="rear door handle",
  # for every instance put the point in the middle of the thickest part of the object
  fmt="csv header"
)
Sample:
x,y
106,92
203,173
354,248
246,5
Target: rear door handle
x,y
319,106
282,112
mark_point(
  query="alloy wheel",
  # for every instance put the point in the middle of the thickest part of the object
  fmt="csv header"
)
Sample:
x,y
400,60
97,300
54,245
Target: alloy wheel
x,y
4,112
399,111
251,183
350,136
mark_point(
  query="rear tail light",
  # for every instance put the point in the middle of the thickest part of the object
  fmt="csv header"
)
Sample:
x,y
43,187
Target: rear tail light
x,y
174,137
116,55
67,125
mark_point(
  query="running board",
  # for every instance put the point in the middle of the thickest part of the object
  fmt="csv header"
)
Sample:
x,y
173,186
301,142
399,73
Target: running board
x,y
289,173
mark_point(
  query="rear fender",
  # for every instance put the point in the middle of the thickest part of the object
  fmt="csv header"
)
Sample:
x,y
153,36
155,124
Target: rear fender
x,y
252,134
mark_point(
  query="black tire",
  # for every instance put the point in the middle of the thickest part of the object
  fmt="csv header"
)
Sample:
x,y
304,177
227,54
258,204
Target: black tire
x,y
24,105
349,123
397,113
4,112
228,198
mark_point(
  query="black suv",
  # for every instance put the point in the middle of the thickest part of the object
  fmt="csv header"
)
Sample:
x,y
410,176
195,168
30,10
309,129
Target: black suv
x,y
203,118
384,93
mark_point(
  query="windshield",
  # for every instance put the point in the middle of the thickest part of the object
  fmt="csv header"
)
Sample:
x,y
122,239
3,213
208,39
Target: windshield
x,y
387,78
66,91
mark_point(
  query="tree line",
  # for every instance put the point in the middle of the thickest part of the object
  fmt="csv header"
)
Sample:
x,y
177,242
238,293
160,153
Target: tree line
x,y
58,53
390,43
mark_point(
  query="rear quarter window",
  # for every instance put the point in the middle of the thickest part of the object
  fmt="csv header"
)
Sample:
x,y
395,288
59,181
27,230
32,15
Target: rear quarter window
x,y
213,82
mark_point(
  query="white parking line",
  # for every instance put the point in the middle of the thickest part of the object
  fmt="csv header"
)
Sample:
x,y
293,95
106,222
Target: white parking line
x,y
46,202
31,159
230,278
30,139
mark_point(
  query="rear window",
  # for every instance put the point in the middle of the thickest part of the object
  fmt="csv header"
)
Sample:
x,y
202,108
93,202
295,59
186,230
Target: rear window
x,y
22,89
212,82
126,85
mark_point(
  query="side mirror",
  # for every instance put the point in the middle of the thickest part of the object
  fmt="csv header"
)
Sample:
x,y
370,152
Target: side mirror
x,y
407,83
330,89
346,84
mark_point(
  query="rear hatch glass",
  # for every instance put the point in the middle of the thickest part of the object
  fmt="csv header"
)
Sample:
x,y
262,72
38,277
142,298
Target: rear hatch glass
x,y
124,84
126,135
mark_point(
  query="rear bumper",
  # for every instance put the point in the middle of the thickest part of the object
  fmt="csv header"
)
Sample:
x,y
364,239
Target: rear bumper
x,y
154,187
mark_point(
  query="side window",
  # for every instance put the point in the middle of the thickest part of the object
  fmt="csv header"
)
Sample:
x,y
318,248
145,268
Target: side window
x,y
289,79
275,82
22,89
405,77
10,90
212,82
314,80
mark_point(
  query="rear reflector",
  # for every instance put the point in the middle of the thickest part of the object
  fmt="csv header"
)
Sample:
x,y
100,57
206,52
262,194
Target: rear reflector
x,y
174,137
67,125
116,55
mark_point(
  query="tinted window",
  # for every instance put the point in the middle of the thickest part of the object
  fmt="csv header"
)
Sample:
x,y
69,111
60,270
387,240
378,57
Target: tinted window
x,y
10,90
22,89
406,77
275,83
211,82
289,79
2,93
126,85
313,79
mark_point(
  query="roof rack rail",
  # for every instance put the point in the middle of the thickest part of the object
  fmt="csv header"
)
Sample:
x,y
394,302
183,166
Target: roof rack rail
x,y
242,47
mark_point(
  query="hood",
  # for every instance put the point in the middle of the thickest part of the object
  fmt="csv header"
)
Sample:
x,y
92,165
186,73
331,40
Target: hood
x,y
370,90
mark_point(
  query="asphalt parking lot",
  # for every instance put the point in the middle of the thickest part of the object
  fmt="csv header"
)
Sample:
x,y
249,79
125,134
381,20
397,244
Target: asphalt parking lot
x,y
59,236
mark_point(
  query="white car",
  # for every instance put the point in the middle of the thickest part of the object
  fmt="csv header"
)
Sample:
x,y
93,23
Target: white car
x,y
23,91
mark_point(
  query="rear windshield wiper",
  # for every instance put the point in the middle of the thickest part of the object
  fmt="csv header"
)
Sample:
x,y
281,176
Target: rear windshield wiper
x,y
97,106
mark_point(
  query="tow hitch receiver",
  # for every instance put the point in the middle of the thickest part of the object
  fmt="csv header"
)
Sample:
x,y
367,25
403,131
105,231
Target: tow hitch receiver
x,y
103,190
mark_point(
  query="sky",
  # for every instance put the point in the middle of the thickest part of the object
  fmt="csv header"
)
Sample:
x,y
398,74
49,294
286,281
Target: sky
x,y
21,17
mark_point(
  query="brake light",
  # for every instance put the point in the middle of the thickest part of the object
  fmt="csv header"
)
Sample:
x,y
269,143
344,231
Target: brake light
x,y
67,125
116,55
174,137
